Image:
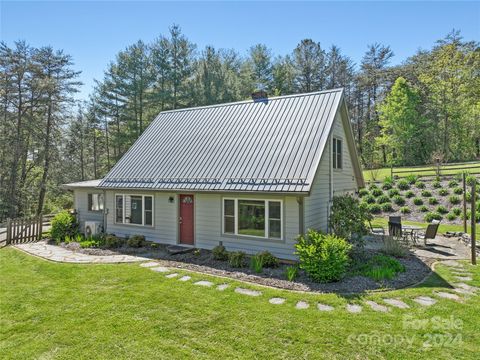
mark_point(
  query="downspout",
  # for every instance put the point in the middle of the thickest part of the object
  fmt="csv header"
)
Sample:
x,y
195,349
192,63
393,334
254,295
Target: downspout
x,y
301,216
330,182
105,211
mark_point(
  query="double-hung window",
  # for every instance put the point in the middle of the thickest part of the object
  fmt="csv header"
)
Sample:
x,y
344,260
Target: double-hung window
x,y
253,217
337,153
134,209
95,202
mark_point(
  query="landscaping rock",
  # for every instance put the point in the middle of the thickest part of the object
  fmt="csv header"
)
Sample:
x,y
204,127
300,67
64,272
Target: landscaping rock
x,y
248,292
354,308
185,278
376,307
176,249
323,307
302,305
161,269
425,300
222,287
276,301
397,303
149,264
204,283
446,295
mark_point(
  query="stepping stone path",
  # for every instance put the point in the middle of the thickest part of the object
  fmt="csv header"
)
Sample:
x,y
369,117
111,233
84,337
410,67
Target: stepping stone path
x,y
161,269
302,305
185,278
149,264
446,295
354,309
452,263
463,291
204,283
466,287
463,278
376,307
276,301
323,307
248,292
222,287
171,276
425,300
397,303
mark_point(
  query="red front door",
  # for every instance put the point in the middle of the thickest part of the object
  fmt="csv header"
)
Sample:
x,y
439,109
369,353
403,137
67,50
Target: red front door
x,y
186,219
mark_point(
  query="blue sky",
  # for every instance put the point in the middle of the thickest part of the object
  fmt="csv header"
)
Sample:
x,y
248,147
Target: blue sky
x,y
93,32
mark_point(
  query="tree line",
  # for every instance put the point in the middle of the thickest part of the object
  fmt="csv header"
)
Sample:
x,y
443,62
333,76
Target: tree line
x,y
427,107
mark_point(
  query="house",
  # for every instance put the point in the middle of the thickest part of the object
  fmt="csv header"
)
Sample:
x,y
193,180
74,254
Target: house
x,y
251,174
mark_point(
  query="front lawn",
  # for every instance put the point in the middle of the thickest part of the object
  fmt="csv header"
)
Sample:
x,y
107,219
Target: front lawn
x,y
68,311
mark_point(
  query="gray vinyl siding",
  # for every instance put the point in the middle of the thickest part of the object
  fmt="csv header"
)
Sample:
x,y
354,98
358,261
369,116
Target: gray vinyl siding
x,y
81,207
343,181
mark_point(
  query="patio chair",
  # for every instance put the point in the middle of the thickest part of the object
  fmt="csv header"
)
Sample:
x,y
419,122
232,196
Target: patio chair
x,y
377,230
430,233
395,219
395,229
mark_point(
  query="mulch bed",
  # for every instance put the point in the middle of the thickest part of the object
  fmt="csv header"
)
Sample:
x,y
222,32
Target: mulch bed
x,y
201,261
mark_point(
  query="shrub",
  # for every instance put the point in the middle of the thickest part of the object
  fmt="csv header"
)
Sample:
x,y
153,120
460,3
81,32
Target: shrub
x,y
457,211
383,199
291,273
469,214
432,201
405,210
112,241
397,199
348,217
256,264
409,194
236,259
363,192
269,261
418,201
63,224
369,199
458,191
381,267
377,192
468,196
420,185
436,184
470,179
323,257
452,183
426,193
136,241
454,200
220,253
372,186
443,192
442,209
430,216
394,246
451,216
374,209
88,244
423,208
386,207
411,179
393,192
387,183
459,176
403,184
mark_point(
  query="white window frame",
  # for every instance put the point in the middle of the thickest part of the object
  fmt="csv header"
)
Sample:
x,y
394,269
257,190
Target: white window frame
x,y
335,154
98,198
143,210
267,218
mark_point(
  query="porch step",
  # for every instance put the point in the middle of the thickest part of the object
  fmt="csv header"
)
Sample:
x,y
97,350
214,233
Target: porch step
x,y
176,249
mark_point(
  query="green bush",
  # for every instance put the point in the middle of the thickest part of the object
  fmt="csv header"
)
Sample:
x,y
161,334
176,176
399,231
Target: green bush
x,y
400,201
418,201
369,199
386,207
470,179
451,216
426,193
412,179
387,183
405,210
63,224
383,199
420,185
454,200
468,196
136,241
363,192
429,217
374,208
372,186
409,194
220,253
443,192
436,184
393,192
457,211
377,192
323,257
423,208
403,184
458,191
291,273
236,259
112,241
256,264
432,201
88,244
459,176
452,183
382,267
442,209
348,217
268,260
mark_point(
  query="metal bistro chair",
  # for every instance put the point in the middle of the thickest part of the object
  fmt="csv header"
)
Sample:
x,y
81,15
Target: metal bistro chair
x,y
395,229
430,233
377,230
395,219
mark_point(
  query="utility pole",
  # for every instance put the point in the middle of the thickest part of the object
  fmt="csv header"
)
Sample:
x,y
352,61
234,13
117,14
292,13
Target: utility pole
x,y
474,223
464,203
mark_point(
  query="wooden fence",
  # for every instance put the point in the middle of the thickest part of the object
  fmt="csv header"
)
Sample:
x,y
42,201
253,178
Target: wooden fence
x,y
23,230
472,168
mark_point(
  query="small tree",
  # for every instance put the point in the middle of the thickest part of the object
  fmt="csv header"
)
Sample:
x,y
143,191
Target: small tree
x,y
348,218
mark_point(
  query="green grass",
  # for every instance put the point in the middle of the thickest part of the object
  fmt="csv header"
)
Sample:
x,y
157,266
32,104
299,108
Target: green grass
x,y
451,169
383,222
71,311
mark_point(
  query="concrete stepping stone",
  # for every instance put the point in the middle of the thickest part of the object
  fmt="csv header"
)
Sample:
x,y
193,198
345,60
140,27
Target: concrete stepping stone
x,y
466,287
248,292
462,273
149,264
185,278
171,276
161,269
463,278
463,291
397,303
276,301
452,263
354,308
425,300
222,287
204,283
302,305
376,307
323,307
447,295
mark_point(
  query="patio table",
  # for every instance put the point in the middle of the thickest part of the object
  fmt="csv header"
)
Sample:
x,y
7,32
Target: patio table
x,y
412,231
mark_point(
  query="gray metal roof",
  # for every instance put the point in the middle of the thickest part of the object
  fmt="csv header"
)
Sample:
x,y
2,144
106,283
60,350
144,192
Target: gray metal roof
x,y
243,146
83,184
